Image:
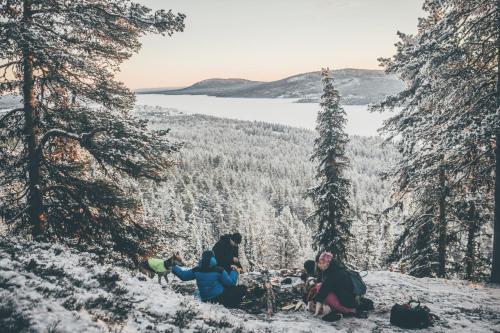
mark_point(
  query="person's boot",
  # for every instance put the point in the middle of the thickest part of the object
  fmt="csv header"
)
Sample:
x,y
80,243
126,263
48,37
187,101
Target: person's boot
x,y
361,314
332,316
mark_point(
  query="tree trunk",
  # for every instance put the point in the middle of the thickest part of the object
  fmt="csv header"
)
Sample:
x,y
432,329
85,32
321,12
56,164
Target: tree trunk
x,y
495,269
442,225
270,297
423,265
35,202
471,236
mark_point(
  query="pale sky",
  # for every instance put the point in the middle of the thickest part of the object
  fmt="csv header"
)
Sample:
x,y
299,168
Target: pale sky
x,y
266,40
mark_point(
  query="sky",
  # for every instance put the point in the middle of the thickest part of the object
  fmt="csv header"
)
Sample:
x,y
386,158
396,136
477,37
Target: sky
x,y
266,40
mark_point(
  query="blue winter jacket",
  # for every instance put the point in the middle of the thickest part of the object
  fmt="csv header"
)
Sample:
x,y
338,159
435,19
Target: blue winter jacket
x,y
211,282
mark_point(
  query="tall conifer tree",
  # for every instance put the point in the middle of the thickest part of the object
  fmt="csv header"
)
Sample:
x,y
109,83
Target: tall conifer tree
x,y
447,124
66,154
332,211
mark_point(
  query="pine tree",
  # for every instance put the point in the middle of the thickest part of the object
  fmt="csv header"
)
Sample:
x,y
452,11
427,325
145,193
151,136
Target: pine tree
x,y
288,242
68,155
448,118
495,270
332,211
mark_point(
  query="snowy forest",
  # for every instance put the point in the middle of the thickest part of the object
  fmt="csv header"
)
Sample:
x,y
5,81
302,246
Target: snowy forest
x,y
252,176
93,184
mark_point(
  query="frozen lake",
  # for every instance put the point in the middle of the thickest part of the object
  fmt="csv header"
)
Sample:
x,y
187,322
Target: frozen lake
x,y
282,111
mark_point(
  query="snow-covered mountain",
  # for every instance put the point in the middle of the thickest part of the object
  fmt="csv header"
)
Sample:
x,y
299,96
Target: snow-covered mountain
x,y
357,86
51,288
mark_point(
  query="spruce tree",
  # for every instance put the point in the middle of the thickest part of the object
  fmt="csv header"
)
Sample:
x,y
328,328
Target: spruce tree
x,y
68,155
332,212
447,122
495,271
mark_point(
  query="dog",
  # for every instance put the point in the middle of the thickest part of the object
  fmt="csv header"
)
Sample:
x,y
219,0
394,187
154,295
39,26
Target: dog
x,y
160,267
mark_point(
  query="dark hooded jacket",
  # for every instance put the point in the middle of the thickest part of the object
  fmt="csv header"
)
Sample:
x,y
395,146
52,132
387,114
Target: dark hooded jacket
x,y
336,279
225,252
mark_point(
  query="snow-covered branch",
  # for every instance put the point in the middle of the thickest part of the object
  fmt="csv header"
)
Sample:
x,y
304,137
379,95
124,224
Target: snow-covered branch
x,y
9,114
84,137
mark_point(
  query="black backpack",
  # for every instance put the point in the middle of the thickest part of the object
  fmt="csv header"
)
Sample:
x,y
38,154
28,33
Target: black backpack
x,y
406,316
356,284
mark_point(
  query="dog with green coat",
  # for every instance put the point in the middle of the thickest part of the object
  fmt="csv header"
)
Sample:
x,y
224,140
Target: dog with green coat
x,y
160,267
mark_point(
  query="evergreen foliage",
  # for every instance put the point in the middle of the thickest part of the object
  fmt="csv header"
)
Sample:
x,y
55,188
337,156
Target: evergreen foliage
x,y
67,155
445,131
332,212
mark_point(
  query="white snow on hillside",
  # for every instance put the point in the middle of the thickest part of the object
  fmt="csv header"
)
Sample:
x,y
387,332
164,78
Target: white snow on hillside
x,y
50,288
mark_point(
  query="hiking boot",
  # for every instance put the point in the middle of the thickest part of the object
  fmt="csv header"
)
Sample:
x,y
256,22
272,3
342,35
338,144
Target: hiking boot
x,y
332,316
366,304
361,314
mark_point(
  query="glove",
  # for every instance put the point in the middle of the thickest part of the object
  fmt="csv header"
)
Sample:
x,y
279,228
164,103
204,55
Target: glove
x,y
239,270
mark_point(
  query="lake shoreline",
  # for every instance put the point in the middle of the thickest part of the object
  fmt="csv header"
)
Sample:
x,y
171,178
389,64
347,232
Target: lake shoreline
x,y
284,111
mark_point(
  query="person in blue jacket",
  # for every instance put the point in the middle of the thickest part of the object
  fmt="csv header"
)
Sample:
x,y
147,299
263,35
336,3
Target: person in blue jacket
x,y
215,284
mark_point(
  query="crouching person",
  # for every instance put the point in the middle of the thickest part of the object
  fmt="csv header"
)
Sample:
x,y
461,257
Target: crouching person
x,y
215,284
334,296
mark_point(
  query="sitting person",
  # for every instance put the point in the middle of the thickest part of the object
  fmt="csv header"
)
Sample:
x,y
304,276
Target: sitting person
x,y
215,284
309,276
335,292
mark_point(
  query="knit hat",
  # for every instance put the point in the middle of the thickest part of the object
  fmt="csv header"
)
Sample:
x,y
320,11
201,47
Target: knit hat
x,y
208,260
236,237
326,256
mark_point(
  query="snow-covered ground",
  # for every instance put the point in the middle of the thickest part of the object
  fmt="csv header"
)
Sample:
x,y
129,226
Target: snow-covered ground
x,y
50,288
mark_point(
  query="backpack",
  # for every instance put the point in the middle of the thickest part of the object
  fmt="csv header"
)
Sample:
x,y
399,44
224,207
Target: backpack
x,y
351,286
406,316
358,285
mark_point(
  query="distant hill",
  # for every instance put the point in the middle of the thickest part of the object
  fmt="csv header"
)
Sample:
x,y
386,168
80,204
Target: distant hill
x,y
357,86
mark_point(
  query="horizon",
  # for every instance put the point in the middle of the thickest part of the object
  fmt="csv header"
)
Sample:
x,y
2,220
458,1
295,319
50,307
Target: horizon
x,y
242,78
224,39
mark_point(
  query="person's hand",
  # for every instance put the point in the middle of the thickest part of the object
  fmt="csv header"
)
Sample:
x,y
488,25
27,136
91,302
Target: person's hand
x,y
239,270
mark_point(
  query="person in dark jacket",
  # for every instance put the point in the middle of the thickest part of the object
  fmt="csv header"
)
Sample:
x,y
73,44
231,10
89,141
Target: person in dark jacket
x,y
309,276
334,279
215,284
335,294
226,251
